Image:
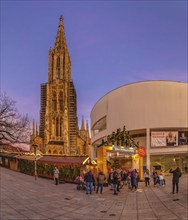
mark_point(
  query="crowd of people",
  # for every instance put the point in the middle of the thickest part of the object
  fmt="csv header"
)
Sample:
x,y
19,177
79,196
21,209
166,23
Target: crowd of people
x,y
158,178
117,178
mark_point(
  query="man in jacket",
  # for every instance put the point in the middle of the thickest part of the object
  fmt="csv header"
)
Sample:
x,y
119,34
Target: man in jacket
x,y
175,179
100,181
89,179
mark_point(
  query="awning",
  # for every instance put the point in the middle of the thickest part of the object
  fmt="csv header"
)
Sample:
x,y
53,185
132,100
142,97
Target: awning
x,y
63,159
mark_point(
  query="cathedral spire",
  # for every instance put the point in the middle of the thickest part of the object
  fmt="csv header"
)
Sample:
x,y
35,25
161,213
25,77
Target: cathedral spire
x,y
87,126
87,129
36,129
33,128
60,43
83,125
61,20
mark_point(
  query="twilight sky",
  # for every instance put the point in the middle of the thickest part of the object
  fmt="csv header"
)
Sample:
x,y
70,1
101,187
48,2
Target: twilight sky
x,y
111,43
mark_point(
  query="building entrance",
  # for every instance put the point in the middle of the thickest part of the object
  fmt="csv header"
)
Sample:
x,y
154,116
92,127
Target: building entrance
x,y
122,162
107,159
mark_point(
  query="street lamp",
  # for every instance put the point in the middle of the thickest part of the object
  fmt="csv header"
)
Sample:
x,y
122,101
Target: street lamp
x,y
35,159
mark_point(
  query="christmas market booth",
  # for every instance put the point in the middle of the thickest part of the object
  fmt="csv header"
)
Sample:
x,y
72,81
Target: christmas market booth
x,y
69,166
120,150
36,164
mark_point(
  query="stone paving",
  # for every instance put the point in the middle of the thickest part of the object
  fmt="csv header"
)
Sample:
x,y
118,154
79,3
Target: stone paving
x,y
23,197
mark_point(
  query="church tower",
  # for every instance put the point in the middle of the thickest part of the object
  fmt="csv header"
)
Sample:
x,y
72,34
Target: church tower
x,y
58,112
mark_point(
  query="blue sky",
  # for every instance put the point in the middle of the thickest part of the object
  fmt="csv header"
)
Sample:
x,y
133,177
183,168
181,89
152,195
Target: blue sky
x,y
111,43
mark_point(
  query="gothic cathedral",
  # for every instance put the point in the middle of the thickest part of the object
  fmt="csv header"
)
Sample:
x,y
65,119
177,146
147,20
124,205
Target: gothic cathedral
x,y
58,129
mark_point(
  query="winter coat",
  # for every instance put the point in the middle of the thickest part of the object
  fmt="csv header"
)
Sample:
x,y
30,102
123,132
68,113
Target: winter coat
x,y
133,178
115,177
101,178
89,177
56,173
176,175
110,177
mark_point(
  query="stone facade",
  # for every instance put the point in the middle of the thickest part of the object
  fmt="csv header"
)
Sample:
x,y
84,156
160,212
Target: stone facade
x,y
58,130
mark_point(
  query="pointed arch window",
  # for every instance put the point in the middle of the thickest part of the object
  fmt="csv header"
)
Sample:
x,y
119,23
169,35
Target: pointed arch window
x,y
61,95
61,101
61,124
58,61
57,127
54,101
55,152
58,68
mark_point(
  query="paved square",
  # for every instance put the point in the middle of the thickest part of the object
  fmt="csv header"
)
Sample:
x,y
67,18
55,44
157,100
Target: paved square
x,y
23,197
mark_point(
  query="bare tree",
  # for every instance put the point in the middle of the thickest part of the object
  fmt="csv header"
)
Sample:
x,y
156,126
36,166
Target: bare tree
x,y
14,127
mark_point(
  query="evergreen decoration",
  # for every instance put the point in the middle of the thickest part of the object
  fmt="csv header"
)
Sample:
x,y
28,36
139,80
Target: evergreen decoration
x,y
120,138
26,167
68,173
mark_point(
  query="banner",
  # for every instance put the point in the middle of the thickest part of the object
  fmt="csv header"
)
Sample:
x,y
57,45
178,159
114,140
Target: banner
x,y
172,138
183,138
162,139
158,139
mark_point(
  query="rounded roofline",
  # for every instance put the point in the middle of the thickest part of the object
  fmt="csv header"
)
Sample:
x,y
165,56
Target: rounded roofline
x,y
145,81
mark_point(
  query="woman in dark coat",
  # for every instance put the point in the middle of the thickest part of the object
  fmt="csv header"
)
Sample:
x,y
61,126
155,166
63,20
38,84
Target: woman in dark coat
x,y
175,179
134,182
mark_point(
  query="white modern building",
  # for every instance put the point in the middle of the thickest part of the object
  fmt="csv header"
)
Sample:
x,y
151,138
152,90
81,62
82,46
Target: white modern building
x,y
154,112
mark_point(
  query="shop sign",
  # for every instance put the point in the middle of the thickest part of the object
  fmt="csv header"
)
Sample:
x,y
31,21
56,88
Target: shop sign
x,y
142,151
123,150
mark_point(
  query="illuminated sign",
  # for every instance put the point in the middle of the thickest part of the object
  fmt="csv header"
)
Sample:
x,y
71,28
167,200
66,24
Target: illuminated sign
x,y
123,150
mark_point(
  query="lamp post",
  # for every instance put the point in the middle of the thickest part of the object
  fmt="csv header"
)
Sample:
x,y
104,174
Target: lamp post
x,y
35,159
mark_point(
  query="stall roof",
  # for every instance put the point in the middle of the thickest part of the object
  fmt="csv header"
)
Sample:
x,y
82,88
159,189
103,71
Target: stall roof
x,y
25,157
10,155
55,159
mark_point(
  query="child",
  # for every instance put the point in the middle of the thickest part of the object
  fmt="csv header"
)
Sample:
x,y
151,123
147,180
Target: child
x,y
161,179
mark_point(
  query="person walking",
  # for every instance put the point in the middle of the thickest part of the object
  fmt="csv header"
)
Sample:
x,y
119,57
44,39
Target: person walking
x,y
161,179
124,178
115,181
100,181
56,176
146,177
164,181
134,183
155,178
119,180
89,179
110,179
129,180
175,179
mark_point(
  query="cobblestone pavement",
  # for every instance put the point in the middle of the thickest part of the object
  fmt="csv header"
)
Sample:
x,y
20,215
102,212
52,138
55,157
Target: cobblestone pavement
x,y
23,197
